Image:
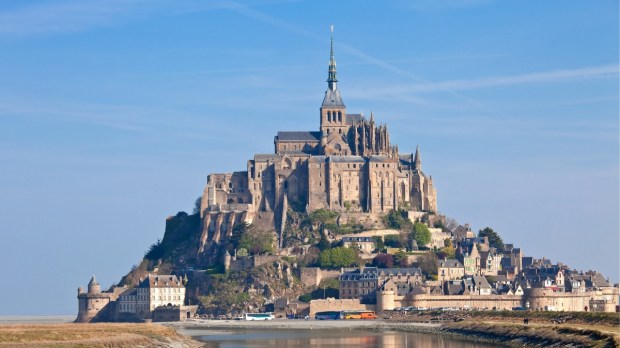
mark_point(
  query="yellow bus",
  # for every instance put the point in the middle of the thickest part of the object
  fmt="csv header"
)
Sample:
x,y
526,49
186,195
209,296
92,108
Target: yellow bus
x,y
360,315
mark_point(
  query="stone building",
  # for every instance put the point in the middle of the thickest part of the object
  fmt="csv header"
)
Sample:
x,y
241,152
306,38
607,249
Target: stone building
x,y
364,244
139,303
449,269
96,305
151,292
349,164
363,283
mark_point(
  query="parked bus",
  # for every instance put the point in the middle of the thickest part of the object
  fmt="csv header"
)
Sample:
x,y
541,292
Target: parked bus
x,y
329,315
360,315
258,316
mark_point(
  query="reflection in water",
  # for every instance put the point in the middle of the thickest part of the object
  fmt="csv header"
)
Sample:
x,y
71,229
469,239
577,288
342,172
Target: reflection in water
x,y
325,338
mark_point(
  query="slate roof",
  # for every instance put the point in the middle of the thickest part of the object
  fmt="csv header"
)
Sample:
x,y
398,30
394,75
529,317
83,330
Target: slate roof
x,y
402,271
299,136
357,239
332,98
380,158
454,288
449,264
347,159
481,282
161,281
353,118
265,157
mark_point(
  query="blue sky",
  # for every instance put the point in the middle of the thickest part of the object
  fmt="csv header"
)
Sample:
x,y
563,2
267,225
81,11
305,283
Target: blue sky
x,y
113,113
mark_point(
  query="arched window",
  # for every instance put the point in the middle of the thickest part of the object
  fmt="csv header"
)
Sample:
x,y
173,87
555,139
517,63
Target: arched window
x,y
339,116
329,116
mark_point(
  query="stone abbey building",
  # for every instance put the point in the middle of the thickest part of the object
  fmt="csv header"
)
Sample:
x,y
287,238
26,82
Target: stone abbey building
x,y
349,164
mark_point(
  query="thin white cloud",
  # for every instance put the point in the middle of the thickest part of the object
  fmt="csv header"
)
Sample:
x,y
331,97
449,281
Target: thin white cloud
x,y
605,71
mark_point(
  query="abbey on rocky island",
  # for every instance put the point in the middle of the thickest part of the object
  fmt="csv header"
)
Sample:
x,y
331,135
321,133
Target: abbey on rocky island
x,y
349,165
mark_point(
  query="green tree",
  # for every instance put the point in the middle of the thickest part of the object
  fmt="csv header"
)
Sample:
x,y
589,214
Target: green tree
x,y
394,241
495,240
238,231
242,252
322,216
395,219
338,257
448,252
155,252
421,234
197,203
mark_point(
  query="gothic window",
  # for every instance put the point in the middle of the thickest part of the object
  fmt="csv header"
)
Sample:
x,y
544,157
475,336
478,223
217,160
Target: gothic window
x,y
339,116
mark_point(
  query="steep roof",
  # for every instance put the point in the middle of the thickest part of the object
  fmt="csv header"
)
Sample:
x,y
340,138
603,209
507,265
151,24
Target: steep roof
x,y
299,136
161,281
354,118
449,263
347,159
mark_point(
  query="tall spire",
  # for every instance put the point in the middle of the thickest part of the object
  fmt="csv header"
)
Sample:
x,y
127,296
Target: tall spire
x,y
331,76
417,161
332,94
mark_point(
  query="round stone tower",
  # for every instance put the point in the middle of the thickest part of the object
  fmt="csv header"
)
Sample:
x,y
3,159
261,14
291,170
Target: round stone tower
x,y
91,303
385,300
93,286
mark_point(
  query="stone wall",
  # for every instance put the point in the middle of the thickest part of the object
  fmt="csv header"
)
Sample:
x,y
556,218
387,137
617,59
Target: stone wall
x,y
546,299
174,313
312,276
500,302
332,304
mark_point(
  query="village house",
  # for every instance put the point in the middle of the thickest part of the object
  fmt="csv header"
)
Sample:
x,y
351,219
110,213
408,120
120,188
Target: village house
x,y
362,283
364,244
450,269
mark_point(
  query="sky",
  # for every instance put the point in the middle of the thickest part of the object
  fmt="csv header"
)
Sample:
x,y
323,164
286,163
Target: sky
x,y
113,113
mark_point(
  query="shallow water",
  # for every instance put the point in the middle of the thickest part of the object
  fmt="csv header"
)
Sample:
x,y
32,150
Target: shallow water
x,y
36,319
253,338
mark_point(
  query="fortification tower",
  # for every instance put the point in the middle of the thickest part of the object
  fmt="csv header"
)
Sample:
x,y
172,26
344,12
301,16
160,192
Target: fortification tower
x,y
92,302
385,300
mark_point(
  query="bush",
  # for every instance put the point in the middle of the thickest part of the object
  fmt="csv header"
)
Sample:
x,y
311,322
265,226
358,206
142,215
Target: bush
x,y
305,298
257,242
